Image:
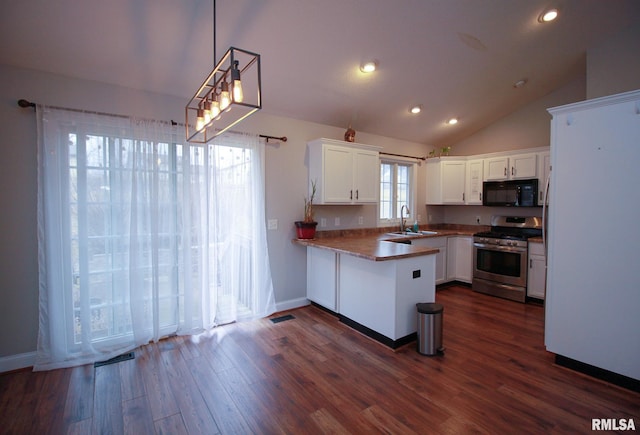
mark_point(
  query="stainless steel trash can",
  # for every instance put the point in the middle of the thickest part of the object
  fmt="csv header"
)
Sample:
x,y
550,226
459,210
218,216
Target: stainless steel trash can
x,y
430,328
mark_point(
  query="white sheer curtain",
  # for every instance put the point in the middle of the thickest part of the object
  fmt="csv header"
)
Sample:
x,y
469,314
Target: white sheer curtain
x,y
141,236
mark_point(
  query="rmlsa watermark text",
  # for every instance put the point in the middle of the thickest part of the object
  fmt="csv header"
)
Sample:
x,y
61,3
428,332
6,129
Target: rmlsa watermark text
x,y
613,424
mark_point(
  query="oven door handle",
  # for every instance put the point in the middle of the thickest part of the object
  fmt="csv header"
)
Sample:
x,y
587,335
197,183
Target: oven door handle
x,y
499,248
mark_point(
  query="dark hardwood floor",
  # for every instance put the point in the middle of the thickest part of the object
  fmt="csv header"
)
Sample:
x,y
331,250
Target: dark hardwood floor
x,y
313,374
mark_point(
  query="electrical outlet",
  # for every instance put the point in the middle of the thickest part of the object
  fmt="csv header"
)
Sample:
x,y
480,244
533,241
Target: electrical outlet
x,y
360,220
430,218
419,218
323,222
477,219
337,222
272,224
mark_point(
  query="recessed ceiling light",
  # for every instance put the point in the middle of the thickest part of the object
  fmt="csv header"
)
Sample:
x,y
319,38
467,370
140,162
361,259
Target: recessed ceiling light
x,y
369,67
520,83
416,109
548,15
452,121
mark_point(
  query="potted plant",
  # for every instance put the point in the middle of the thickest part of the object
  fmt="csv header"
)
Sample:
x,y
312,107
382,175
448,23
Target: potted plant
x,y
306,229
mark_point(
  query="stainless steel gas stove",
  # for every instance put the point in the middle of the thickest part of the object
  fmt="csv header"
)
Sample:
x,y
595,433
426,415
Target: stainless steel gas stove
x,y
500,256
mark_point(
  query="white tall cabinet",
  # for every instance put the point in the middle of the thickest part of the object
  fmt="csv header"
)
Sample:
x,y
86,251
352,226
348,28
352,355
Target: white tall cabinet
x,y
593,296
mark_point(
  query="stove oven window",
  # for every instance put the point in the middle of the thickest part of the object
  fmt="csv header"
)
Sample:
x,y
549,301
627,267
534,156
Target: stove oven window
x,y
499,263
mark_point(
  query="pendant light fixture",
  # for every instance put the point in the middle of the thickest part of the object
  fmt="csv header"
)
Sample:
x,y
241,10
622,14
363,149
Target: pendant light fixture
x,y
230,93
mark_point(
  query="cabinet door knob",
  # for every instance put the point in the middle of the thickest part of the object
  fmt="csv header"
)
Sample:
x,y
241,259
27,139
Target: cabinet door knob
x,y
512,170
351,194
505,171
357,194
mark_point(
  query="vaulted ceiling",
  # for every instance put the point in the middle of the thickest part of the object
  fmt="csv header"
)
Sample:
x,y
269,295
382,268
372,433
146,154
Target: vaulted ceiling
x,y
455,57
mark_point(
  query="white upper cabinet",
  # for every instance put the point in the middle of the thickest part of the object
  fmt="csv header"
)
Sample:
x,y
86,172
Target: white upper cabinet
x,y
496,168
366,175
544,169
523,166
344,172
514,167
446,180
459,180
473,189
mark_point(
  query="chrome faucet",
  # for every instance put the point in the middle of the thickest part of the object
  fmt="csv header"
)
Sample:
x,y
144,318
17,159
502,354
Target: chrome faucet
x,y
402,227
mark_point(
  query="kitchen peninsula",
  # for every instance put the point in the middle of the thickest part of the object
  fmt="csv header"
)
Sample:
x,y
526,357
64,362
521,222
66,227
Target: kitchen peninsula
x,y
371,282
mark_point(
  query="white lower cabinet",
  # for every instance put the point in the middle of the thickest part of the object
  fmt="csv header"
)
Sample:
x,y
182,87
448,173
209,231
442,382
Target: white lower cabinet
x,y
321,277
441,257
537,274
460,259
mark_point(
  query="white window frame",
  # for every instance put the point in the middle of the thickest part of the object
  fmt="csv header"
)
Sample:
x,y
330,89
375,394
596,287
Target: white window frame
x,y
411,203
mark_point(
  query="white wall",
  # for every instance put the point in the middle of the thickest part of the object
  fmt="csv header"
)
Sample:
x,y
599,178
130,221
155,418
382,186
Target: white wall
x,y
286,186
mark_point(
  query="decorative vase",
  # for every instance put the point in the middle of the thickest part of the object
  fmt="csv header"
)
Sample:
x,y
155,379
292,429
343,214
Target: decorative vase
x,y
350,134
306,230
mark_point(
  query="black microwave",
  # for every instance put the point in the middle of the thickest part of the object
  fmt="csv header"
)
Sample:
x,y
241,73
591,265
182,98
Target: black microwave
x,y
510,193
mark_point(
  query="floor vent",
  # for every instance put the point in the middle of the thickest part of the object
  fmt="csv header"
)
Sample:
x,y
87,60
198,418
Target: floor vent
x,y
282,318
117,359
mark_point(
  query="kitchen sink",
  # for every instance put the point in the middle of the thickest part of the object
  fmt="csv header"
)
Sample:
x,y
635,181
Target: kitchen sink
x,y
411,233
399,233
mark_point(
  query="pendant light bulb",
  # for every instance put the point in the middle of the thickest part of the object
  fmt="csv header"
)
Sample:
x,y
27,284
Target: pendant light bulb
x,y
200,120
225,98
238,96
207,112
215,107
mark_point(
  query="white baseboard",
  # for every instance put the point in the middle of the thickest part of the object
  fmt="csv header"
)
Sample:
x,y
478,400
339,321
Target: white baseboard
x,y
15,362
291,304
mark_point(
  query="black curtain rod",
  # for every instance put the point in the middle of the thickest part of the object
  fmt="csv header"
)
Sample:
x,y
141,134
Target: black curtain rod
x,y
402,155
281,138
26,103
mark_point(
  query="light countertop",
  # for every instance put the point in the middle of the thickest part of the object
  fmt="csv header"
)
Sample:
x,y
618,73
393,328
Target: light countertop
x,y
376,246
